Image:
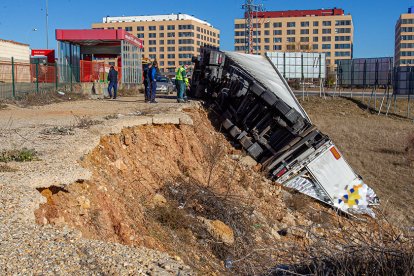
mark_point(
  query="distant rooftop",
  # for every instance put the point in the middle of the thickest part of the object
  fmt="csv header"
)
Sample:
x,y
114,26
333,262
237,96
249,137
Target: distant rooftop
x,y
13,42
167,17
301,13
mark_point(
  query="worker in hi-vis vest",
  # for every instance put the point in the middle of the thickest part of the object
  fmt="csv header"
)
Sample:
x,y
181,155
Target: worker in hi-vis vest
x,y
182,82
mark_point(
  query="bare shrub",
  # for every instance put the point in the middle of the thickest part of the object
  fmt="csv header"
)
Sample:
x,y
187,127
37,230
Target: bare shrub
x,y
58,130
353,252
85,122
111,117
46,97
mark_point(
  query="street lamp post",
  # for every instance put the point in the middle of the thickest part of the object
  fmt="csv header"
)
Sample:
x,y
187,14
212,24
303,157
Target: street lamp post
x,y
47,24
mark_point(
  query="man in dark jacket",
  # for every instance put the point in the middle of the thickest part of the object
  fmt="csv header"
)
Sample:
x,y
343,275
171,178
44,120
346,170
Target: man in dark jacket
x,y
113,82
147,69
153,74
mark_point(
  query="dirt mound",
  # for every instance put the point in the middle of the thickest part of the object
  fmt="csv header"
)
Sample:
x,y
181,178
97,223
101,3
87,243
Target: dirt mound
x,y
183,190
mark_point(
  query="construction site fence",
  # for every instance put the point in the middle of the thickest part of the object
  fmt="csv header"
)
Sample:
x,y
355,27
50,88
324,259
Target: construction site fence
x,y
18,78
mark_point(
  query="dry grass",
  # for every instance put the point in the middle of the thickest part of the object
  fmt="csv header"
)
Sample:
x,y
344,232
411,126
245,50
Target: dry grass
x,y
45,98
85,122
6,168
18,155
410,149
374,146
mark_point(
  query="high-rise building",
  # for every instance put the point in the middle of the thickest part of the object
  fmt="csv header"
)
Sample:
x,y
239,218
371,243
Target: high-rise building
x,y
170,39
404,39
328,31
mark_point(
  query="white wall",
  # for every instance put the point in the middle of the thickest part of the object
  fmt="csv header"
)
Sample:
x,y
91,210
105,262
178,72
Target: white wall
x,y
21,53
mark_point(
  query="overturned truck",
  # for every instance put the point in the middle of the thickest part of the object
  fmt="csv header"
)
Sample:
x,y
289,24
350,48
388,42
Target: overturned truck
x,y
261,114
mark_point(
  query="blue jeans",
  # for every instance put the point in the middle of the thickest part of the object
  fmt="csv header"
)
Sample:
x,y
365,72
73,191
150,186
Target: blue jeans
x,y
110,86
147,90
181,92
153,91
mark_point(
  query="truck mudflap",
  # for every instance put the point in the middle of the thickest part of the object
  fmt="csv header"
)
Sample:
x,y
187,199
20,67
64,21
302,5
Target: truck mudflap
x,y
260,113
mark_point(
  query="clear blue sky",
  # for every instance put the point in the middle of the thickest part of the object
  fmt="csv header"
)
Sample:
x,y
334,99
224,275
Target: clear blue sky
x,y
374,20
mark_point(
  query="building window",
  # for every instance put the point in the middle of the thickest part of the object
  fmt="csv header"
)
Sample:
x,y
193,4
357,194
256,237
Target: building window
x,y
186,41
161,55
328,54
267,48
304,24
277,32
315,46
306,31
326,46
304,39
171,34
277,25
161,63
198,28
161,49
315,39
171,27
266,32
277,39
277,47
267,25
315,23
152,49
140,35
342,46
186,27
291,24
326,23
161,42
170,41
343,30
291,39
342,38
291,32
290,47
171,49
140,28
161,34
342,54
267,40
304,47
152,56
161,28
344,22
186,34
326,38
171,63
152,35
128,29
152,42
326,31
152,28
171,56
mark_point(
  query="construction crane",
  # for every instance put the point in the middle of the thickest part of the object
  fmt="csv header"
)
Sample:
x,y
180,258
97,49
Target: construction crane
x,y
250,14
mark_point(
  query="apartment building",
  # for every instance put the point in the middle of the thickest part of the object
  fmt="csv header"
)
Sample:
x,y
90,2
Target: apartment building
x,y
404,39
170,39
328,31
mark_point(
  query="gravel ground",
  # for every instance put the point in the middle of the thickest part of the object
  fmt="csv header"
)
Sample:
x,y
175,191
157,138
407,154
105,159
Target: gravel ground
x,y
27,248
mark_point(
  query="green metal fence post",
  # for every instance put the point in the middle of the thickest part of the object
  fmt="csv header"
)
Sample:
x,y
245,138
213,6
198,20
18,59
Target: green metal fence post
x,y
70,69
13,79
37,77
56,76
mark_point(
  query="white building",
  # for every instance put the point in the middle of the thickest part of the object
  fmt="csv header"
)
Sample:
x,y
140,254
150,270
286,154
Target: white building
x,y
19,51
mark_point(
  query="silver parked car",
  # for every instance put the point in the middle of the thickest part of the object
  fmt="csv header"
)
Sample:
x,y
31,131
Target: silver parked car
x,y
165,85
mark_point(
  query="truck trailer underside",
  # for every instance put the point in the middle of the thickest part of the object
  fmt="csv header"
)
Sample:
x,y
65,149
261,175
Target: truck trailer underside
x,y
260,113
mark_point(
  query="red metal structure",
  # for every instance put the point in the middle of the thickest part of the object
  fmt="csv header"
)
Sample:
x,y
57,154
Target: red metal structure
x,y
84,52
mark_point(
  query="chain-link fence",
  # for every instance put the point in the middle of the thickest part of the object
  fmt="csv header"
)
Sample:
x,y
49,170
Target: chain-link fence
x,y
17,78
